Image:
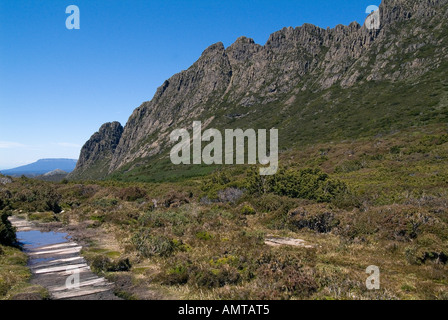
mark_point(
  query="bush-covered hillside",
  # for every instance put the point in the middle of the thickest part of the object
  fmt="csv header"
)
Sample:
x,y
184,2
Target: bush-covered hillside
x,y
375,201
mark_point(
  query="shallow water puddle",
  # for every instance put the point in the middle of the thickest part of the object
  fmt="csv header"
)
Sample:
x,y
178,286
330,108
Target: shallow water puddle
x,y
35,239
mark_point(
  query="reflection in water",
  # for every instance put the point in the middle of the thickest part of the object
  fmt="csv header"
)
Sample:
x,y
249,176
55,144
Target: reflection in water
x,y
35,239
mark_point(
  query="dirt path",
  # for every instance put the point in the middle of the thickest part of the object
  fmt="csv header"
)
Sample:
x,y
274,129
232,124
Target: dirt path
x,y
56,264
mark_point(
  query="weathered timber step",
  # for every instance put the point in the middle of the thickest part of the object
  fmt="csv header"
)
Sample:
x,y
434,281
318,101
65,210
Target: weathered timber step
x,y
56,246
98,282
61,268
76,293
53,263
55,252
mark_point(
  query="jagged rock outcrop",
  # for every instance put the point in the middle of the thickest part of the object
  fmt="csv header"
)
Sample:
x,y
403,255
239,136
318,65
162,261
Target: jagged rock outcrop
x,y
248,76
184,95
97,152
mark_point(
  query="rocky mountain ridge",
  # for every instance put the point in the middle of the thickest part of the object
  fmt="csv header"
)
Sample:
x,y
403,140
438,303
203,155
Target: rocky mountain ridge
x,y
246,78
97,152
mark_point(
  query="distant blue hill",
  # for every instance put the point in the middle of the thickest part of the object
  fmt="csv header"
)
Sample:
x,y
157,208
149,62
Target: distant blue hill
x,y
41,167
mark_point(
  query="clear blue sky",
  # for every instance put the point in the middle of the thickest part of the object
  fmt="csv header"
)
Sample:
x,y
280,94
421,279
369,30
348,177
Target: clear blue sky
x,y
57,86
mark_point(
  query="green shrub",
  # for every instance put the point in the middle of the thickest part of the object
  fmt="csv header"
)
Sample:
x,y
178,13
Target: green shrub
x,y
7,231
270,202
203,235
5,198
198,274
176,275
14,273
219,178
291,280
348,200
80,191
120,265
42,216
101,263
154,245
287,273
311,184
419,255
105,202
395,150
395,223
247,210
209,277
52,198
350,166
321,221
37,198
131,194
175,199
160,219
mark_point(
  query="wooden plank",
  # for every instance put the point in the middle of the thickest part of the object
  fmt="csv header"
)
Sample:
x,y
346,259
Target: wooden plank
x,y
56,246
57,252
67,273
78,293
55,262
61,268
94,282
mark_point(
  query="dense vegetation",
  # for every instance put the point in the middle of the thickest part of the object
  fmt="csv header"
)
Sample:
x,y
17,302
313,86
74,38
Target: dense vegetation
x,y
7,232
375,201
14,273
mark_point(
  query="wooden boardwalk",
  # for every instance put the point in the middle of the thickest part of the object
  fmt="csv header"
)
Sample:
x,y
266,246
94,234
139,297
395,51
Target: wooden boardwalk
x,y
59,266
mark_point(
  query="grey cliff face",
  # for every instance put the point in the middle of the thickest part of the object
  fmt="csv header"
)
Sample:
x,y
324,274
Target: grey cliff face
x,y
292,60
99,148
183,95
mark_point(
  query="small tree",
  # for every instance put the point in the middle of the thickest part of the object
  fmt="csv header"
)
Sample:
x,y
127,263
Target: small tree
x,y
312,184
7,231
